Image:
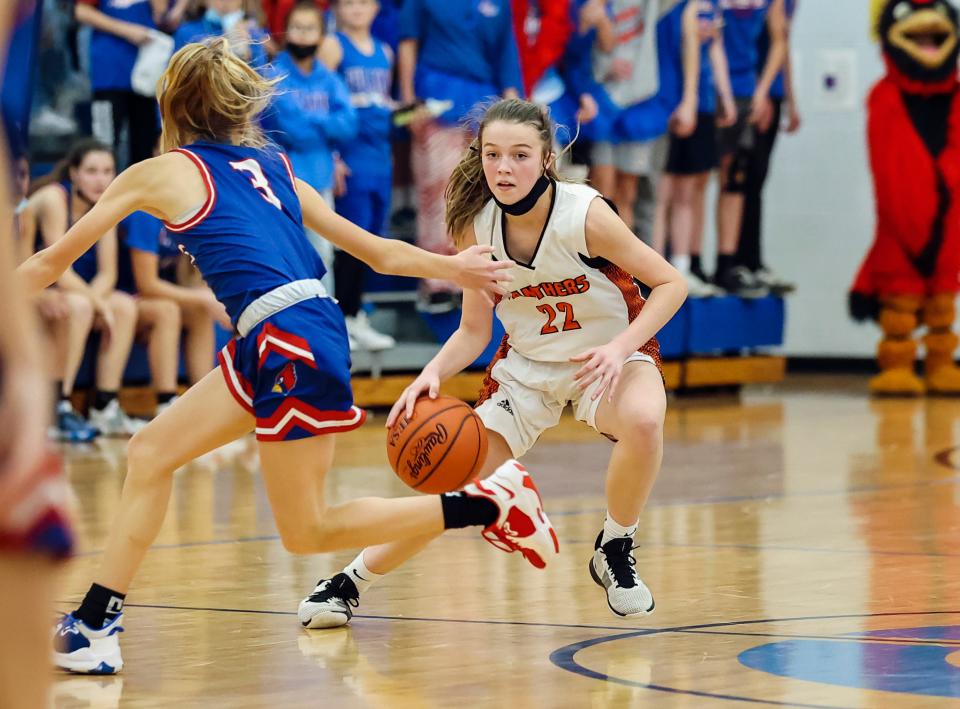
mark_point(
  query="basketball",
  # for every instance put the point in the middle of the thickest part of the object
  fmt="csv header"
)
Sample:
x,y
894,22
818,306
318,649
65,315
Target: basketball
x,y
440,448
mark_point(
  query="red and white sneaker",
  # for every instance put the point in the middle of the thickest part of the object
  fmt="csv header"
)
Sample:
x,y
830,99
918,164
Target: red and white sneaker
x,y
522,524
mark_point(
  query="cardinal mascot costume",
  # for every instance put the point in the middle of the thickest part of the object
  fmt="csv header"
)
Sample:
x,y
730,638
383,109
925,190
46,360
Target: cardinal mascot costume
x,y
911,274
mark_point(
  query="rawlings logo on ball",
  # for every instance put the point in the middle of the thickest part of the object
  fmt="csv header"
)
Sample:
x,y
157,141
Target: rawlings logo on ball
x,y
422,450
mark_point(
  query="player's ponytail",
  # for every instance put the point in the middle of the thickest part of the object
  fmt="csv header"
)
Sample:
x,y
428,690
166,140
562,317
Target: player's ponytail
x,y
467,190
209,93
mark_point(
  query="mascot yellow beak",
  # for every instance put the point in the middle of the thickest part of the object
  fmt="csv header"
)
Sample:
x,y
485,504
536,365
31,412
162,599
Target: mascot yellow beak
x,y
927,36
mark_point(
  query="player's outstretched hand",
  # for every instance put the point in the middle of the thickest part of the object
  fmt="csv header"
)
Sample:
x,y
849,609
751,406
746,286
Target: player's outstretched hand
x,y
604,363
477,271
427,383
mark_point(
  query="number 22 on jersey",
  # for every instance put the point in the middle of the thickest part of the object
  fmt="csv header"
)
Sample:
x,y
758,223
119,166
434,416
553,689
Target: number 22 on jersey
x,y
569,321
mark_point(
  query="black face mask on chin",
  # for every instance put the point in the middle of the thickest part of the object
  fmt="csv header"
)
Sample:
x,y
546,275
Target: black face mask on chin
x,y
525,204
301,51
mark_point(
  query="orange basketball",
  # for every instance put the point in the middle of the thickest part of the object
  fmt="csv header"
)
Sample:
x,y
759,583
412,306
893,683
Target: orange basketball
x,y
440,448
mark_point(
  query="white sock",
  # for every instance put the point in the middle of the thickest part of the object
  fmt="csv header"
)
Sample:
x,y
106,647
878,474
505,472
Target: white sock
x,y
681,263
612,530
361,576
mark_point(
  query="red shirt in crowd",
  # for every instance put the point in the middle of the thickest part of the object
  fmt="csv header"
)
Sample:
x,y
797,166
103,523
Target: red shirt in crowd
x,y
540,49
276,12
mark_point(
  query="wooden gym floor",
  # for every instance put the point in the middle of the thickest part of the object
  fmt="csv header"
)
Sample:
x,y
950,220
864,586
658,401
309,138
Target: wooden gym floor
x,y
802,544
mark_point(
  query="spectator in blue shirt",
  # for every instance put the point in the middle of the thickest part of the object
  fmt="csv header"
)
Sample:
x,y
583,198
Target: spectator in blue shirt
x,y
692,159
366,66
647,78
311,113
452,55
749,252
226,18
150,269
69,193
744,23
119,28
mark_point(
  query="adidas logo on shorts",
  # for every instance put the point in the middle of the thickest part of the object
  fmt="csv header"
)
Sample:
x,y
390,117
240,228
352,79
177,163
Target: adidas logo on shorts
x,y
505,405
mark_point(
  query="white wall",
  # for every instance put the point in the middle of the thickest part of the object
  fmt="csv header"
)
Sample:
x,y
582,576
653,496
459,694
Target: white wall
x,y
819,204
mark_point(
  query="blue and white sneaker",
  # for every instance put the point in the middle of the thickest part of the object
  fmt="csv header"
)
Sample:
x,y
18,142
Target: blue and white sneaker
x,y
71,427
79,648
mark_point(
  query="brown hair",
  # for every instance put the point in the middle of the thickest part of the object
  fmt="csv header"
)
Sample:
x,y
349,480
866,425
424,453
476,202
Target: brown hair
x,y
209,93
71,161
305,6
467,190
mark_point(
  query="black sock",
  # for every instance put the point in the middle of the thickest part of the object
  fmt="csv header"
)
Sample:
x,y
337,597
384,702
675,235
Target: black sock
x,y
461,510
100,606
695,266
102,399
725,262
58,394
164,397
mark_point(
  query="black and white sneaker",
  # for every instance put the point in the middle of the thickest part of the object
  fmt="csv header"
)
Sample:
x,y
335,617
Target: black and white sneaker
x,y
330,603
777,285
739,281
614,568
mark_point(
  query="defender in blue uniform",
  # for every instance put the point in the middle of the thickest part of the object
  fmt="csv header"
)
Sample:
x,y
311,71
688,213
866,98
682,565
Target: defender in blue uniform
x,y
234,204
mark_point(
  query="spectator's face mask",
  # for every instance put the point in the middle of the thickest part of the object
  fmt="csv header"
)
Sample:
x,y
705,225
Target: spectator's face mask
x,y
301,51
226,21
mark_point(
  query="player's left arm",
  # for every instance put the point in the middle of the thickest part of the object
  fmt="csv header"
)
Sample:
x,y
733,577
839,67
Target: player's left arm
x,y
608,237
124,195
472,268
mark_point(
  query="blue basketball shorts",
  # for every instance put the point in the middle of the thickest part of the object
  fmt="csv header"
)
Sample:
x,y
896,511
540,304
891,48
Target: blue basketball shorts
x,y
292,372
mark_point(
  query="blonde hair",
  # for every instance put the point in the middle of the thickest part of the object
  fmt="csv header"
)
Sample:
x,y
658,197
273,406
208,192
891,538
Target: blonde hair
x,y
209,93
467,190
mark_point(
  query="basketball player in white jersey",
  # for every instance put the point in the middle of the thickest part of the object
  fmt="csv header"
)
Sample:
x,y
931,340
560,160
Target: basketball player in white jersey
x,y
577,331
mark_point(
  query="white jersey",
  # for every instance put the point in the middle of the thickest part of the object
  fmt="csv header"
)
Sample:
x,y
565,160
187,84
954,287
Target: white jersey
x,y
563,302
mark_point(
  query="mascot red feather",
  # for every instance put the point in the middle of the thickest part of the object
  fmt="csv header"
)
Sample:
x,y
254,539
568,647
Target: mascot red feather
x,y
911,274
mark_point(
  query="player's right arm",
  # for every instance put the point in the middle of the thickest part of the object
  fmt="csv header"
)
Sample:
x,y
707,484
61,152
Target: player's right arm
x,y
459,351
147,186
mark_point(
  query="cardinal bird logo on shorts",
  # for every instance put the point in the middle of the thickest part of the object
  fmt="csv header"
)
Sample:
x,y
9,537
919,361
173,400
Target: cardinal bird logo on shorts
x,y
286,380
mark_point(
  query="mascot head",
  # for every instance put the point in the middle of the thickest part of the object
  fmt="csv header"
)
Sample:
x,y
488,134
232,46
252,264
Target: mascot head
x,y
920,38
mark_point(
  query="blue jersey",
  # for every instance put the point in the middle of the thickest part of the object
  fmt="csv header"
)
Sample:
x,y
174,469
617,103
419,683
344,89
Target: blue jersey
x,y
708,15
466,51
743,23
247,238
368,77
86,265
112,57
